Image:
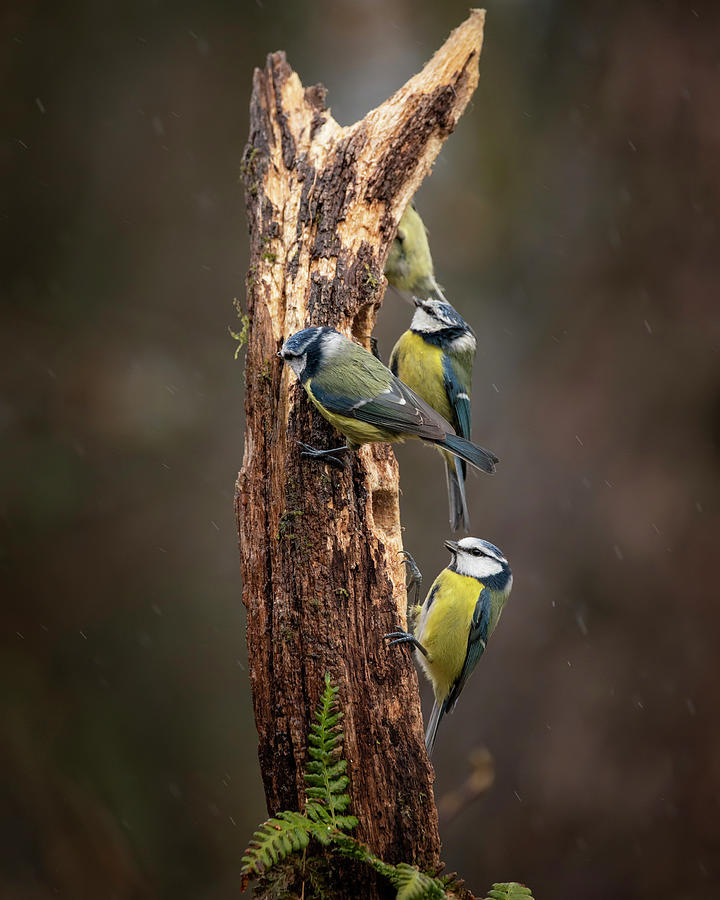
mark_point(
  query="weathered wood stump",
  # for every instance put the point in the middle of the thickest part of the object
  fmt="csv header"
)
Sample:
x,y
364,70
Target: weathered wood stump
x,y
322,576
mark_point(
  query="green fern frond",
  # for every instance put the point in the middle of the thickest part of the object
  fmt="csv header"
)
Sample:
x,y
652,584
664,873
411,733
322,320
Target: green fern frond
x,y
413,884
276,839
325,778
451,882
510,890
319,814
352,848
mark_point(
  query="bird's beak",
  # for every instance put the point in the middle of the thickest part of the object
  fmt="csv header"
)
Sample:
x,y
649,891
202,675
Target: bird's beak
x,y
279,353
452,546
417,301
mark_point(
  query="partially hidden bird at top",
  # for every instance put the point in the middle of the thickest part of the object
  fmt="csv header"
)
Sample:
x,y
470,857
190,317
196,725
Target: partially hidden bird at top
x,y
434,358
409,265
362,398
452,627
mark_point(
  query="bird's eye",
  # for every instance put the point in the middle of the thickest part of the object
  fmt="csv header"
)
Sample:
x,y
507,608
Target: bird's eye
x,y
476,552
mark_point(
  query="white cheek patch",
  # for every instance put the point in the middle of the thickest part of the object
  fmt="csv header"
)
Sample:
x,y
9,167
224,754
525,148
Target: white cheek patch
x,y
424,322
477,566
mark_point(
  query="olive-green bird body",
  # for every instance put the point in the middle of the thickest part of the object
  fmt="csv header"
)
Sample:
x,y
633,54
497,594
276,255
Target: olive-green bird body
x,y
361,382
361,375
409,265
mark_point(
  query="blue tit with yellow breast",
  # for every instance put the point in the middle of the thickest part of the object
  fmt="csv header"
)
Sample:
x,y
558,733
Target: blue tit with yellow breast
x,y
362,398
453,625
409,265
434,358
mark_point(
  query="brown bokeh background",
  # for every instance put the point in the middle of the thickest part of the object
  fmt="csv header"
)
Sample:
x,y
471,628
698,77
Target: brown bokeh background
x,y
574,221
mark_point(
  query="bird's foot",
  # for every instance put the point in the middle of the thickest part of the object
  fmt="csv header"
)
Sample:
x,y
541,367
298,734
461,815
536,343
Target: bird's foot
x,y
403,637
326,455
414,575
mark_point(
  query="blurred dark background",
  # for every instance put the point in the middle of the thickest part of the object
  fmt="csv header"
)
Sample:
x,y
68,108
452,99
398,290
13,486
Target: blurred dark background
x,y
574,221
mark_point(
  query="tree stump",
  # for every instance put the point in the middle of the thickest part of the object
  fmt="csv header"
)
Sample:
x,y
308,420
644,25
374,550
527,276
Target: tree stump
x,y
323,580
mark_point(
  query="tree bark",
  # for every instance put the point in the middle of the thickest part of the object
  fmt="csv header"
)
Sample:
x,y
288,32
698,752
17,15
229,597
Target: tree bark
x,y
322,576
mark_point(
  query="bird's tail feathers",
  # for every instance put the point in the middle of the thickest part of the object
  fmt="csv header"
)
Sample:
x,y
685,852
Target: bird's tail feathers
x,y
459,515
433,725
471,453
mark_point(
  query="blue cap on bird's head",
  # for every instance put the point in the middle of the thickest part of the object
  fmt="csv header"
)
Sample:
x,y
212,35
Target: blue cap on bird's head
x,y
475,546
298,343
435,315
303,350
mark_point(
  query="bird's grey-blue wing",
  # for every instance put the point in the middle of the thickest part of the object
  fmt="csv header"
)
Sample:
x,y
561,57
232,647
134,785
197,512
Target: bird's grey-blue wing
x,y
377,397
458,395
477,641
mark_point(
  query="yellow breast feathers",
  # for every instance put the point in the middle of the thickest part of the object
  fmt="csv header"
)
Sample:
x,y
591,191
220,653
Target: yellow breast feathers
x,y
444,626
420,366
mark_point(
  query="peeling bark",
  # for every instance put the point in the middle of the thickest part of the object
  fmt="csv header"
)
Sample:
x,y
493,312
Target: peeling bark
x,y
322,576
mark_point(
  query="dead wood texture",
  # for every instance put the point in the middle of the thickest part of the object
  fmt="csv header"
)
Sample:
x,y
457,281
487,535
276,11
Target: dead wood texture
x,y
322,578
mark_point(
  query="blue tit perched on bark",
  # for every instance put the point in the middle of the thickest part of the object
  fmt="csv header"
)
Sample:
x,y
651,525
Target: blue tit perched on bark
x,y
361,397
409,266
454,624
434,358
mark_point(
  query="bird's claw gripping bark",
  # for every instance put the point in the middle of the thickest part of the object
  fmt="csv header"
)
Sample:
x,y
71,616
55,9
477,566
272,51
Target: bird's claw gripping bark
x,y
413,575
325,455
403,637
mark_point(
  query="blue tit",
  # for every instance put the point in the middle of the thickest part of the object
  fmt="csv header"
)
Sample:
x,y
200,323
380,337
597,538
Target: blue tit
x,y
434,357
362,398
409,266
454,624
